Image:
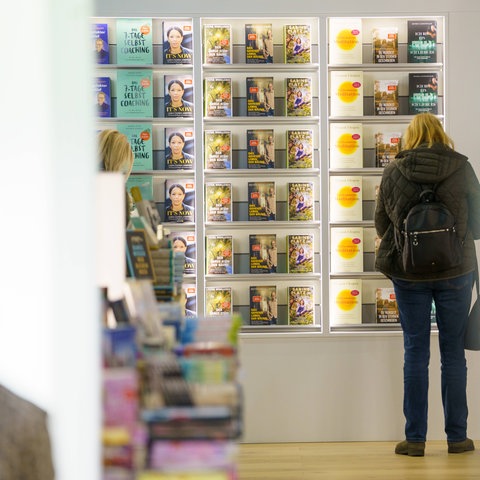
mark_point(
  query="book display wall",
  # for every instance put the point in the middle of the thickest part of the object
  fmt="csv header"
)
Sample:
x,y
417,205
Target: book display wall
x,y
381,72
261,169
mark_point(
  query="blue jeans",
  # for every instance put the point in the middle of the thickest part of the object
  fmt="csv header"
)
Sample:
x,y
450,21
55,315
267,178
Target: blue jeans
x,y
452,301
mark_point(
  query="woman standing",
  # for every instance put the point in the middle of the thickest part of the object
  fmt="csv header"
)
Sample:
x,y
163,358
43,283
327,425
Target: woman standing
x,y
429,157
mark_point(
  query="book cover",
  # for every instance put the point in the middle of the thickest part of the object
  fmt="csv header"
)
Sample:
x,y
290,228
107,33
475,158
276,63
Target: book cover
x,y
301,305
100,41
218,149
298,96
178,96
134,41
385,94
103,98
345,41
218,202
135,93
346,145
263,253
190,299
386,305
346,249
140,138
297,43
218,301
179,200
263,305
261,201
139,261
300,253
300,148
345,301
346,93
421,41
219,254
258,43
179,148
144,183
261,148
260,97
218,97
422,93
217,43
346,198
185,242
385,45
387,145
300,201
177,42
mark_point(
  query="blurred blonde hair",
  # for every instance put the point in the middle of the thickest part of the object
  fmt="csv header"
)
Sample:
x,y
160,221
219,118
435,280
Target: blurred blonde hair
x,y
114,152
425,128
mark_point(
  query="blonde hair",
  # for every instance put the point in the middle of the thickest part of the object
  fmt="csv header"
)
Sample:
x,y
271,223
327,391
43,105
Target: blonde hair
x,y
425,128
114,152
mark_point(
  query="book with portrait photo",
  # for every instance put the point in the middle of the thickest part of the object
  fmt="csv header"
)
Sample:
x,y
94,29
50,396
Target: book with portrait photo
x,y
178,90
218,202
100,41
217,43
262,201
139,136
258,43
298,96
103,98
263,253
185,241
260,97
263,305
300,253
177,42
300,148
421,41
135,93
218,149
297,43
179,200
179,148
134,41
261,148
300,201
219,254
190,299
218,301
301,305
218,97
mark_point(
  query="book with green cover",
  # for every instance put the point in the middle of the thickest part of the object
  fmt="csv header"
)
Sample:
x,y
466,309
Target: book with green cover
x,y
134,41
140,138
135,93
144,183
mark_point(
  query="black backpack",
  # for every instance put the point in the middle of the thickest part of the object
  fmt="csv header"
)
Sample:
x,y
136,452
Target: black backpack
x,y
427,239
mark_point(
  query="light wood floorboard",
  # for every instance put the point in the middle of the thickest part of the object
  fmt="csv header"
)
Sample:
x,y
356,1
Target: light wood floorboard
x,y
353,460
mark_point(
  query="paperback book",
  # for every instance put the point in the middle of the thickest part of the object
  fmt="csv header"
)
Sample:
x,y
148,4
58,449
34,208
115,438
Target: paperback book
x,y
139,136
258,43
300,148
346,93
298,96
260,148
386,97
178,42
185,242
178,90
386,305
218,301
297,43
260,97
300,253
345,41
346,249
139,261
179,200
385,45
144,184
190,298
218,202
217,43
261,201
421,41
345,301
179,148
103,98
301,305
135,93
263,253
263,305
218,97
218,149
387,145
219,254
422,93
100,42
346,198
134,41
300,201
346,145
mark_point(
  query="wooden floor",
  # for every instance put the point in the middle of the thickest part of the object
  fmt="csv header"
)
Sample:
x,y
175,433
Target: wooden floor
x,y
353,460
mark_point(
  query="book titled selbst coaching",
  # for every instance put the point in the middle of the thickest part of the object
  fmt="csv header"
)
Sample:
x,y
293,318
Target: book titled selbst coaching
x,y
218,301
218,149
219,254
258,43
300,201
298,96
179,148
218,201
217,43
261,201
218,97
260,96
263,305
301,305
178,91
297,43
346,145
139,136
260,148
179,200
299,148
135,93
144,183
134,41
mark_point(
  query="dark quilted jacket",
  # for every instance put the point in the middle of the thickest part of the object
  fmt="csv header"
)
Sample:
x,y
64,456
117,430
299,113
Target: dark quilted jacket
x,y
457,187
